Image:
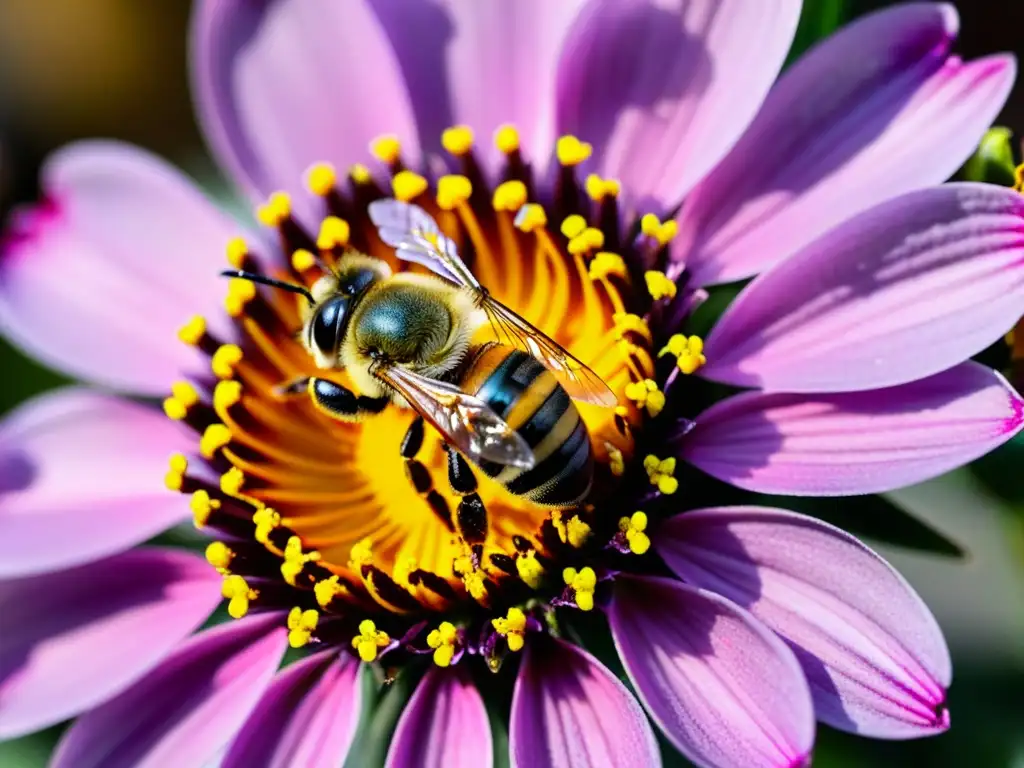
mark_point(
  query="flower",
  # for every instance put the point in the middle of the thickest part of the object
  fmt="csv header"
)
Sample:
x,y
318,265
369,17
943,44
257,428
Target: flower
x,y
737,625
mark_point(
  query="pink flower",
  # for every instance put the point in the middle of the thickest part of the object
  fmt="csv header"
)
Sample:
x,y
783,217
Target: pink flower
x,y
737,625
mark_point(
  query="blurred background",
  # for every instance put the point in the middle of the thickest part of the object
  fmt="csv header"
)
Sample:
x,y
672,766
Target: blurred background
x,y
72,69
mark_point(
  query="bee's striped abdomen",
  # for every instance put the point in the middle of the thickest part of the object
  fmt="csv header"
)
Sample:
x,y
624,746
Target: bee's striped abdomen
x,y
527,396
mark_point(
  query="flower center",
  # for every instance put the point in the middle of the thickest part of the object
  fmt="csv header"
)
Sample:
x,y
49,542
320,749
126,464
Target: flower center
x,y
325,514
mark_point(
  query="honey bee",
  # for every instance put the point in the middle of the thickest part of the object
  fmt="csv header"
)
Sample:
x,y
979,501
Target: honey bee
x,y
406,338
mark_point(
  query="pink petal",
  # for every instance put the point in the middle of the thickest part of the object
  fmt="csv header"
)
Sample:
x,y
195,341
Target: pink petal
x,y
185,710
74,638
307,717
907,289
725,690
283,85
444,725
858,442
877,110
84,480
98,279
873,654
664,90
569,711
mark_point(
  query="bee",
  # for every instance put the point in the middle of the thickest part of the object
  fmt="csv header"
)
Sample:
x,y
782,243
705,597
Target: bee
x,y
506,407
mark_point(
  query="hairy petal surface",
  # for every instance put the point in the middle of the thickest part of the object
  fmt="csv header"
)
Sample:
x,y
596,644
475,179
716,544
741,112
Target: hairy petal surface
x,y
72,639
663,89
81,477
569,711
724,689
878,109
97,280
855,442
444,725
907,289
872,652
307,717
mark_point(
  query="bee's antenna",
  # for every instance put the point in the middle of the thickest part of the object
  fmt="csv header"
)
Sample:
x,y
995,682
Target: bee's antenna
x,y
253,277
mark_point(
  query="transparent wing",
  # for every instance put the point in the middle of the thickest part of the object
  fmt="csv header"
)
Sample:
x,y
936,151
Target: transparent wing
x,y
576,378
466,422
416,237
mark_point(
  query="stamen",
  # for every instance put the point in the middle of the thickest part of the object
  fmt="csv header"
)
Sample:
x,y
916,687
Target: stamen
x,y
195,334
530,570
202,506
509,196
219,555
267,520
659,286
216,437
661,473
321,178
387,149
646,395
301,625
183,398
408,186
295,560
276,210
175,477
224,361
506,139
360,175
606,265
661,233
571,151
334,234
238,594
573,226
616,461
444,640
633,529
573,531
238,254
582,583
590,239
598,188
369,641
327,590
458,140
531,217
452,191
512,628
688,351
303,261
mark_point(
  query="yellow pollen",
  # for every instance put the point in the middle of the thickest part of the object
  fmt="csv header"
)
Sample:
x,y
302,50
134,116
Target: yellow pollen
x,y
301,625
573,226
452,190
237,251
219,555
369,640
321,178
509,196
606,264
175,409
334,233
238,594
240,293
386,149
583,583
646,395
513,628
202,507
360,174
652,226
688,351
277,208
185,393
659,286
226,394
443,640
360,555
303,260
598,188
193,331
327,589
295,560
408,185
572,151
573,531
214,438
175,476
530,217
471,576
458,139
506,139
266,520
231,482
633,527
616,461
661,473
530,570
225,359
590,239
403,569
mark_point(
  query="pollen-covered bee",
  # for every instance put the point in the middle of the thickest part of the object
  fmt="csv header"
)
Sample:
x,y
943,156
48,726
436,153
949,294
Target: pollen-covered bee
x,y
406,338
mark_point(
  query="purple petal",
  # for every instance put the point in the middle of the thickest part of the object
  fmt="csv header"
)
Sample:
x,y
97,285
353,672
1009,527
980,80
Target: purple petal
x,y
188,708
73,639
282,85
82,478
873,654
877,110
569,711
724,689
907,289
98,279
664,90
444,725
307,717
858,442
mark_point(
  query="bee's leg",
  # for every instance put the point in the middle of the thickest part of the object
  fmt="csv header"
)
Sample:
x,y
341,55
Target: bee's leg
x,y
341,403
419,475
471,517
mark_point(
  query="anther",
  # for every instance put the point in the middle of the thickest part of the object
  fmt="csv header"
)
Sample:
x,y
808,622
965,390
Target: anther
x,y
606,264
238,253
360,175
334,233
616,461
661,473
573,531
530,570
219,555
387,149
633,528
327,589
267,520
183,398
195,334
646,395
509,196
408,185
276,210
506,139
659,286
360,555
295,560
226,394
688,351
174,480
661,233
531,217
321,178
599,188
573,226
240,293
202,506
225,359
627,323
303,261
301,625
512,628
458,140
238,594
582,583
571,151
444,640
232,481
452,191
369,641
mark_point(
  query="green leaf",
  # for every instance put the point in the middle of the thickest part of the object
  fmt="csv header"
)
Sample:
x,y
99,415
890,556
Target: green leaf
x,y
993,161
818,20
382,706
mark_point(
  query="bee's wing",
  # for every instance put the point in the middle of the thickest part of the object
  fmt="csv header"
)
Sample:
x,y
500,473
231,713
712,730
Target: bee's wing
x,y
416,237
466,422
575,377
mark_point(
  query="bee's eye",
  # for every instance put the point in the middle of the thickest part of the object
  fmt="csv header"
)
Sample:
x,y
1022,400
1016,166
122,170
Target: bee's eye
x,y
328,325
